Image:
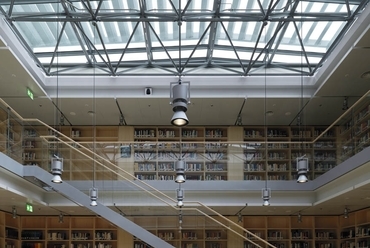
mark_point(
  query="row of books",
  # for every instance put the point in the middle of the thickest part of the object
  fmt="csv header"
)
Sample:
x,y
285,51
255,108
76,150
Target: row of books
x,y
103,235
57,235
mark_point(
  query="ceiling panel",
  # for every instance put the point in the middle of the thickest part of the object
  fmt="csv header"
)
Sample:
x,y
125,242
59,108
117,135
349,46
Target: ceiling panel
x,y
346,80
14,78
364,41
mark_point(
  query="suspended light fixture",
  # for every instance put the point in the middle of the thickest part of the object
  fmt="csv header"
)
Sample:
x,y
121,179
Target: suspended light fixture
x,y
266,195
56,161
345,103
180,221
56,169
240,217
302,169
180,95
180,169
266,192
93,197
94,191
299,218
14,212
180,197
61,217
345,215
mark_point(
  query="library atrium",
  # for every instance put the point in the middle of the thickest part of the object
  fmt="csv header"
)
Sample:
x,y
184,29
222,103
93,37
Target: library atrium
x,y
187,124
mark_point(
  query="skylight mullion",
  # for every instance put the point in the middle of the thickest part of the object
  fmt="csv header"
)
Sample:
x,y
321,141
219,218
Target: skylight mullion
x,y
262,28
212,32
302,46
29,49
104,47
127,44
261,7
174,8
82,44
163,68
57,45
232,45
282,26
186,7
227,68
313,27
98,8
327,27
290,67
164,48
146,33
92,45
114,25
230,25
10,8
245,25
348,8
251,61
122,26
309,6
88,9
203,6
196,46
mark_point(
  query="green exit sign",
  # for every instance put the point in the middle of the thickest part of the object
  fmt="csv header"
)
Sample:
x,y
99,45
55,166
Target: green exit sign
x,y
29,208
30,93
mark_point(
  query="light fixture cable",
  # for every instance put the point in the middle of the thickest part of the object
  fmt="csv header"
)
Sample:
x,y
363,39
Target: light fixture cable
x,y
179,91
180,168
61,217
14,212
56,162
179,23
94,190
266,192
302,162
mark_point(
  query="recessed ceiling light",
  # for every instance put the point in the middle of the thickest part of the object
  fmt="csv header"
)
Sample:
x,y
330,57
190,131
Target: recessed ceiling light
x,y
270,113
366,75
72,113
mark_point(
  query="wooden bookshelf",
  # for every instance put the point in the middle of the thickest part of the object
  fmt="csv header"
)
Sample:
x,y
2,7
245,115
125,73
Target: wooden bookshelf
x,y
158,148
324,151
149,153
281,231
9,232
10,135
354,131
49,232
326,231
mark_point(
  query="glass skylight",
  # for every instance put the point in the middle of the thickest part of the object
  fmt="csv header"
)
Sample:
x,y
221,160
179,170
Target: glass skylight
x,y
239,34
